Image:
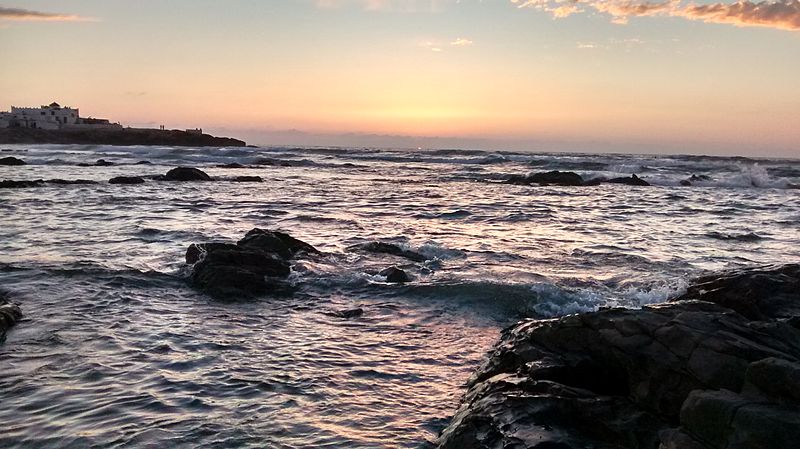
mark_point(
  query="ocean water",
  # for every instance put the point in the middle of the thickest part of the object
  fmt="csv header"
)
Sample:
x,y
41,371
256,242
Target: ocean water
x,y
117,350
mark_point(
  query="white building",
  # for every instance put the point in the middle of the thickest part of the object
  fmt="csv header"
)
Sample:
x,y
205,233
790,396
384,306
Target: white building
x,y
52,116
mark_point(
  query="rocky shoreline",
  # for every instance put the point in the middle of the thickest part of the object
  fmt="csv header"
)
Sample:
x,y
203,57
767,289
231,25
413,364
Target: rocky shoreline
x,y
715,368
126,136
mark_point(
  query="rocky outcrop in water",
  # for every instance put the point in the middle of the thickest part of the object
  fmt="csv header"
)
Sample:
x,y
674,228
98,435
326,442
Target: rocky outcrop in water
x,y
395,275
391,249
98,163
10,313
126,180
11,184
71,182
690,374
186,174
632,180
247,179
11,161
568,178
255,265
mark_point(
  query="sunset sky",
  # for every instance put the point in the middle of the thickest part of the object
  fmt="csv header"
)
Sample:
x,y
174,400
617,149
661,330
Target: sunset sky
x,y
586,75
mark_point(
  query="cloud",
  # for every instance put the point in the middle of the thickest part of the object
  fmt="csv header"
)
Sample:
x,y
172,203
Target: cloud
x,y
408,6
19,14
461,42
779,14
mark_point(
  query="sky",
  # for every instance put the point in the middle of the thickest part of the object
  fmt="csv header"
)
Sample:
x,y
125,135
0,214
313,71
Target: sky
x,y
674,76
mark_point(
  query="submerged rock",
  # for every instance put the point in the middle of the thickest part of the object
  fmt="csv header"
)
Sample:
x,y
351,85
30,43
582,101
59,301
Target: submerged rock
x,y
10,313
11,161
232,165
98,163
555,177
390,248
253,266
247,179
348,313
186,174
395,275
71,181
621,378
10,184
633,180
126,180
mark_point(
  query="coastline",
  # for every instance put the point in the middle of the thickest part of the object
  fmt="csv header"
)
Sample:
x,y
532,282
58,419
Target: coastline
x,y
121,137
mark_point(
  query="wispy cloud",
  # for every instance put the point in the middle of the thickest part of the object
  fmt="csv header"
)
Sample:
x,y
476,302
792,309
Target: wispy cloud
x,y
388,5
19,14
780,14
440,45
461,42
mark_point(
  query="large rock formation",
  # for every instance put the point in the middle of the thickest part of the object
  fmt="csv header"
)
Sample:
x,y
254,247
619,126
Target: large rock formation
x,y
9,315
391,249
568,178
11,161
186,174
688,374
253,266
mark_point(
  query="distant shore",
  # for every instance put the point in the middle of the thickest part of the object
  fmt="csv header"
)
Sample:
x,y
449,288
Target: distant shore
x,y
126,136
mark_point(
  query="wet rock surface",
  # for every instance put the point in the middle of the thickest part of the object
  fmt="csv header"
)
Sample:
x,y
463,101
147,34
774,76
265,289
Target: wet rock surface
x,y
11,161
255,265
686,374
247,179
10,313
126,180
395,275
11,184
69,182
186,174
568,178
391,249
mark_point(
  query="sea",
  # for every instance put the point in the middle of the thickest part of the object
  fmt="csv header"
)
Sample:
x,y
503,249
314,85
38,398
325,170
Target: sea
x,y
118,350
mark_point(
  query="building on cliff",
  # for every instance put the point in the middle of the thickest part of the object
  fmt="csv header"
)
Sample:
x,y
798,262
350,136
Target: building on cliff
x,y
52,116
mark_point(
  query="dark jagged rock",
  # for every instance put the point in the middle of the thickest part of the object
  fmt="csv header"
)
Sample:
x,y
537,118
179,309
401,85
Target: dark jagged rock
x,y
186,174
9,184
687,374
71,181
555,177
98,163
126,180
633,180
247,179
685,183
11,161
10,313
390,248
144,163
276,242
757,293
253,266
395,275
232,165
347,314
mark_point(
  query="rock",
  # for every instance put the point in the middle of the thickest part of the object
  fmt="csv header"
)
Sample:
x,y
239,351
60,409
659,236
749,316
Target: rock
x,y
686,183
757,293
276,242
247,179
71,181
126,180
620,378
11,161
144,163
253,266
347,314
232,165
10,313
186,174
225,270
103,163
554,177
8,184
699,178
390,248
632,181
395,275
